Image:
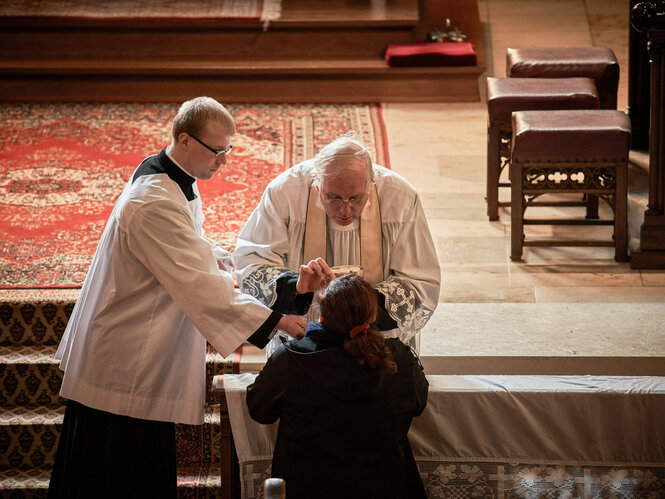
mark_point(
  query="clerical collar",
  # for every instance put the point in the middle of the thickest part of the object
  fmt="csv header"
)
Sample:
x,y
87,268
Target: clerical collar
x,y
179,175
167,150
164,164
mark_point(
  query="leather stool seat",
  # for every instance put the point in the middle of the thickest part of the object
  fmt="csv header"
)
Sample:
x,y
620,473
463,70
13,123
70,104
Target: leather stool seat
x,y
598,63
506,95
570,152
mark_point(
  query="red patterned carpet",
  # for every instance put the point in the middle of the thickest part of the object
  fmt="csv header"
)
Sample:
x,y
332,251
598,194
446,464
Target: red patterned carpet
x,y
62,166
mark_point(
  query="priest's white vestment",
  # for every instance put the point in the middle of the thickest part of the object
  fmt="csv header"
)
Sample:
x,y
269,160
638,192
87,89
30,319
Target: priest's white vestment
x,y
271,245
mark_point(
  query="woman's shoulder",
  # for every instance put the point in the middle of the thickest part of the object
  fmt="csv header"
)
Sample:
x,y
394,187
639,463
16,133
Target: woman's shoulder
x,y
400,351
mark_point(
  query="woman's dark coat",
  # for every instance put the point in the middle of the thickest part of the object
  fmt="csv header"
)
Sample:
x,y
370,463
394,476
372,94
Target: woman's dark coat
x,y
343,428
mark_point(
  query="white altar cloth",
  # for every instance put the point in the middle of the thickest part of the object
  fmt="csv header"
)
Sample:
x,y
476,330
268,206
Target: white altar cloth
x,y
523,433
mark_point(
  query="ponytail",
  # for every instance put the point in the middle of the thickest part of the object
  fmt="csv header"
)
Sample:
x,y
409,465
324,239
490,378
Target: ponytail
x,y
348,306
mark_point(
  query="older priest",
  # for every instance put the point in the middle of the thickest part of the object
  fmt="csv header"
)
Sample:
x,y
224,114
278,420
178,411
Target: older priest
x,y
342,208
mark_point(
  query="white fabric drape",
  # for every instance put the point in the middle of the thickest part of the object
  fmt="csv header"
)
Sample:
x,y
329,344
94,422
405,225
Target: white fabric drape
x,y
576,420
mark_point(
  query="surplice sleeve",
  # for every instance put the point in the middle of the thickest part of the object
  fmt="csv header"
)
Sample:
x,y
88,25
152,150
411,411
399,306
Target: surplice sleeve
x,y
411,289
262,253
162,235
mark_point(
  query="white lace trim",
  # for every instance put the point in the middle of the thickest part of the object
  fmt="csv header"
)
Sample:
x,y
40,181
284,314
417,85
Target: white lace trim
x,y
261,283
404,307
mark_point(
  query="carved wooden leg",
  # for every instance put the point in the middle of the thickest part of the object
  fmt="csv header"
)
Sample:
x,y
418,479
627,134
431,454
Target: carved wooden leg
x,y
516,212
620,213
591,207
493,172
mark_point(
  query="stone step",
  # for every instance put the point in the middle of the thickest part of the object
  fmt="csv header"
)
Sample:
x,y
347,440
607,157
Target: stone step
x,y
34,317
594,338
29,437
323,80
32,483
24,483
30,375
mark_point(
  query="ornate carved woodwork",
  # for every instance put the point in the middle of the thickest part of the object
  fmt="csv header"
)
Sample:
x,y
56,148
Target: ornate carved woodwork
x,y
595,180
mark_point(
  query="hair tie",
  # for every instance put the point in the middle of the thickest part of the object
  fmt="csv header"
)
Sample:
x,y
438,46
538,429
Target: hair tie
x,y
358,330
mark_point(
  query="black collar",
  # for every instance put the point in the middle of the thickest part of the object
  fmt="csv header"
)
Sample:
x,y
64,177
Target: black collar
x,y
161,163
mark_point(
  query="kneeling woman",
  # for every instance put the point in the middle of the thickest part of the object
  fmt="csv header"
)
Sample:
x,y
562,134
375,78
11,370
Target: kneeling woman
x,y
345,398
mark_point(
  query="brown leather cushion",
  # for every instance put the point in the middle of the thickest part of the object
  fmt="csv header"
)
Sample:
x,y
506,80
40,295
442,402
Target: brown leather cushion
x,y
570,136
505,95
598,63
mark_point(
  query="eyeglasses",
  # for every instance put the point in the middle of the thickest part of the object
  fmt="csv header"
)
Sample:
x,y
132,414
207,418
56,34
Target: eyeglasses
x,y
337,201
218,152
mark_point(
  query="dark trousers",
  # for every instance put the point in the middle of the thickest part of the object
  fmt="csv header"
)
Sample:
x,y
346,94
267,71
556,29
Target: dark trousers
x,y
104,455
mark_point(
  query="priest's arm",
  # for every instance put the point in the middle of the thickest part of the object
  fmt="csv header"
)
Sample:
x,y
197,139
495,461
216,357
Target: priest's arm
x,y
265,268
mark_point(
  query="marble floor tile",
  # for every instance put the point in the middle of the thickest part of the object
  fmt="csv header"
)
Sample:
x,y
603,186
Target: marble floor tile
x,y
445,228
503,39
653,277
616,282
604,293
441,184
417,172
564,329
615,7
563,254
500,9
609,268
424,112
455,206
482,287
459,250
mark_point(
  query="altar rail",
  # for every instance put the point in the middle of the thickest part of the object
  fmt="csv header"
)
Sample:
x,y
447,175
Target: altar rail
x,y
500,436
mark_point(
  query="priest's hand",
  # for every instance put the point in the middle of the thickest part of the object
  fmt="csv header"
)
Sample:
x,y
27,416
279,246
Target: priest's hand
x,y
226,266
313,276
224,259
294,325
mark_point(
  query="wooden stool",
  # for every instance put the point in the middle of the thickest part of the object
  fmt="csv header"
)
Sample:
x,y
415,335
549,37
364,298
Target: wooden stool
x,y
578,151
598,63
505,95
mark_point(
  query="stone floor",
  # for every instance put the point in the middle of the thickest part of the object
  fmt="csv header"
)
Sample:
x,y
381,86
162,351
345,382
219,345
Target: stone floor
x,y
560,310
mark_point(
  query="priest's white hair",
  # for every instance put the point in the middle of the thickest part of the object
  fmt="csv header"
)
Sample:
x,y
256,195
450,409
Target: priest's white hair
x,y
343,154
